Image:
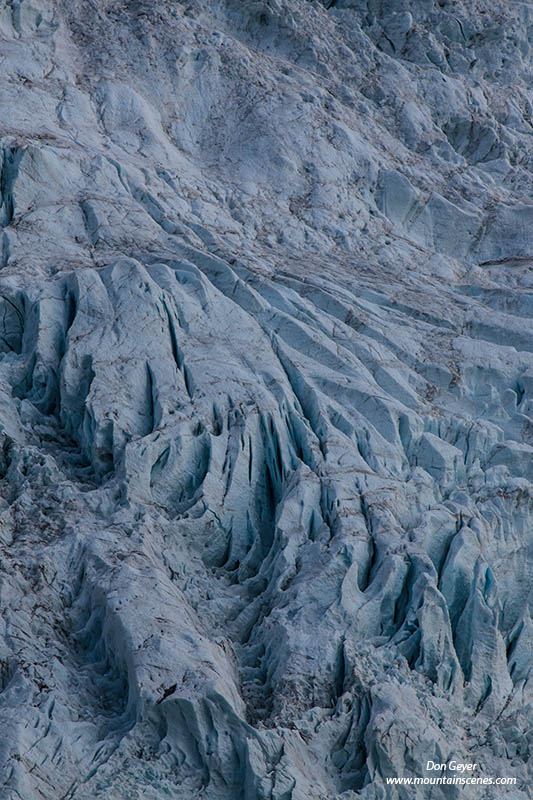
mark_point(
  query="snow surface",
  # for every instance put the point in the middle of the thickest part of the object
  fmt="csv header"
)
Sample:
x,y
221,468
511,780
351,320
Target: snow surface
x,y
266,388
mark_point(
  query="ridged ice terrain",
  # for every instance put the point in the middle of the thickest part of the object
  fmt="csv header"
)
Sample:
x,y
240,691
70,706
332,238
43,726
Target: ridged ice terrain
x,y
266,398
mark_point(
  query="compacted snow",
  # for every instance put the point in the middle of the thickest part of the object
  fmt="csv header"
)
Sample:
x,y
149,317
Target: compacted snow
x,y
266,387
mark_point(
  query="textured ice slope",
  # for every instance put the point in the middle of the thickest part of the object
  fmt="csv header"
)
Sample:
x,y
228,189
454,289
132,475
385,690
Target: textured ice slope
x,y
266,392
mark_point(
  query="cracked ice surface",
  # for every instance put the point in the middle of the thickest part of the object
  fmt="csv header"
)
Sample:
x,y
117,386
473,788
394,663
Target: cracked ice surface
x,y
266,387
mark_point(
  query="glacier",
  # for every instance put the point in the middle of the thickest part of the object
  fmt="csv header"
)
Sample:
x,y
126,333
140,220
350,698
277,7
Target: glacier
x,y
266,398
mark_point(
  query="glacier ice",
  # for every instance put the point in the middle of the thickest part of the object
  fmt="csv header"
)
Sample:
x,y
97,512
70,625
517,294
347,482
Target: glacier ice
x,y
266,376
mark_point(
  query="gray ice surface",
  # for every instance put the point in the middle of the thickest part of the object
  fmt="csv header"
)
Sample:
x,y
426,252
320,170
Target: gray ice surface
x,y
266,388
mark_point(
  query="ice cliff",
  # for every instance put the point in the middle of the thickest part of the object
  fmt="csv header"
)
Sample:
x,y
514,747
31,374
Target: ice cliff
x,y
266,388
